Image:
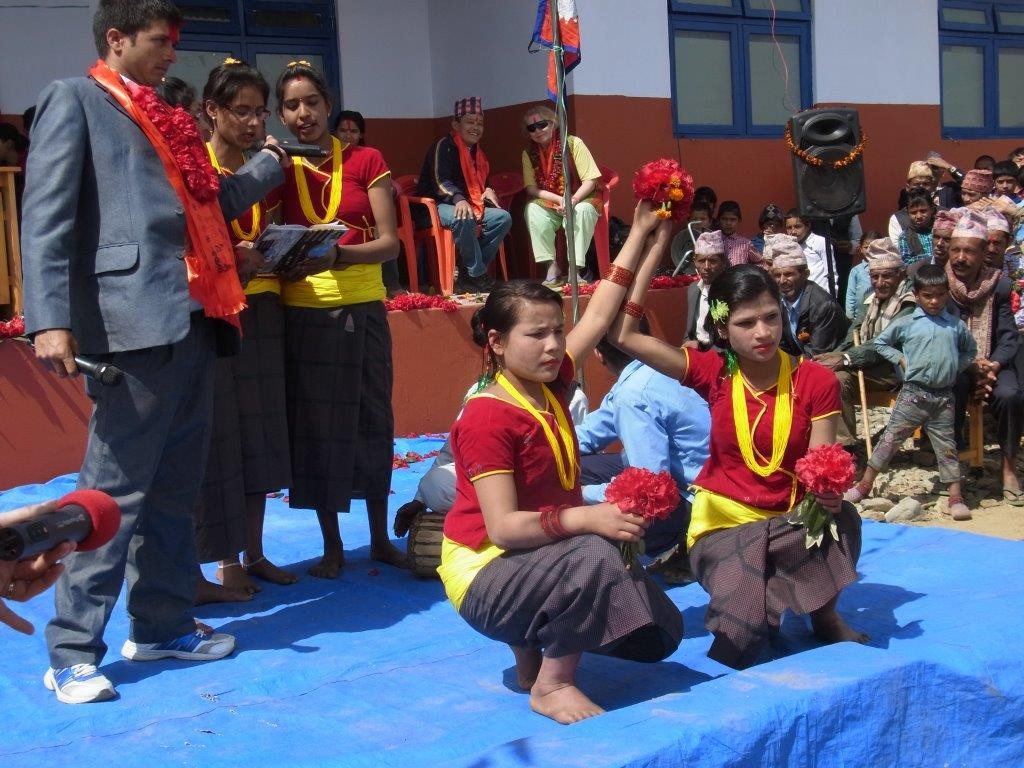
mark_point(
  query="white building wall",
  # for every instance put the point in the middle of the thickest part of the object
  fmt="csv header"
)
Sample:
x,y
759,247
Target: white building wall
x,y
384,48
39,42
876,51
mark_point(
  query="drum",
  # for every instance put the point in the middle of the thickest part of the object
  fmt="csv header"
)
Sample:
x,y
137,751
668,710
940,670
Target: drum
x,y
424,547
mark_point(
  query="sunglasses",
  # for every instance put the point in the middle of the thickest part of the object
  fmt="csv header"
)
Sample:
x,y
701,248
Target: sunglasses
x,y
540,125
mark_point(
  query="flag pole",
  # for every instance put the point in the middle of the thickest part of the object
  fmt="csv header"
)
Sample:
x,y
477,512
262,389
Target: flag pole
x,y
560,110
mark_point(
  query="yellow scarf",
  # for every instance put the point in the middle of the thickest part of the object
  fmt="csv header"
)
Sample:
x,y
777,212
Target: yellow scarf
x,y
782,420
334,202
236,228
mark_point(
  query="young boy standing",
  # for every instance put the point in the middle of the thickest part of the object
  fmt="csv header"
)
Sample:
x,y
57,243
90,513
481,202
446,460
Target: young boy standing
x,y
932,347
815,250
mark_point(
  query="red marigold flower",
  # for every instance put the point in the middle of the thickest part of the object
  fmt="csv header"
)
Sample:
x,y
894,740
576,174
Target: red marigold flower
x,y
639,491
827,469
665,181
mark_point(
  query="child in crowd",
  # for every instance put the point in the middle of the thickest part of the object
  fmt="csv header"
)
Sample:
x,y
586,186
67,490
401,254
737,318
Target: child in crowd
x,y
932,347
770,222
859,282
799,226
1004,178
915,242
738,249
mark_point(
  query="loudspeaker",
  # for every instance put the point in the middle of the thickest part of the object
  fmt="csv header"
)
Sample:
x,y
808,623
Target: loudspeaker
x,y
824,192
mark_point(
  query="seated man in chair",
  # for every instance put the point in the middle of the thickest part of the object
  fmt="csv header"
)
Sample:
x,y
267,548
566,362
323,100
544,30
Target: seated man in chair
x,y
455,174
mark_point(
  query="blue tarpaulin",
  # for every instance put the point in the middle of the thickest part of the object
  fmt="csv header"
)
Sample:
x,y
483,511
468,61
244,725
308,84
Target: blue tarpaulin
x,y
375,669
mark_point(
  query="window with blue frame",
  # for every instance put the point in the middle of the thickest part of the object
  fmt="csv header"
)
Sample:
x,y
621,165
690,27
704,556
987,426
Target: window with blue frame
x,y
739,67
982,59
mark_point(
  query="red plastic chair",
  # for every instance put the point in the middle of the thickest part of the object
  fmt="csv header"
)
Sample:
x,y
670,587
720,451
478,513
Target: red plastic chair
x,y
439,241
609,179
406,235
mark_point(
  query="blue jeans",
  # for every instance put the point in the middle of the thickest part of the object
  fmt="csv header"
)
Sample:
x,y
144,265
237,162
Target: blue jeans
x,y
476,253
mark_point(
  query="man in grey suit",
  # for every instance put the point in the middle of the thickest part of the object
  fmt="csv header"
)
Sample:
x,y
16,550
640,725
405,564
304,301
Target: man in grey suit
x,y
110,217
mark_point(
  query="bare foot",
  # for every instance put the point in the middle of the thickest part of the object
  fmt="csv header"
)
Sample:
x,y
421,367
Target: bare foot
x,y
208,592
262,568
329,566
527,666
829,627
233,576
564,704
390,554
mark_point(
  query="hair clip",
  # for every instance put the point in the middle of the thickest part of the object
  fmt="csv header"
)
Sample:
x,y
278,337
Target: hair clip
x,y
718,310
303,62
229,62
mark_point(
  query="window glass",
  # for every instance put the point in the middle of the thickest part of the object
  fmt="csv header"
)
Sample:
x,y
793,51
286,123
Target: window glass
x,y
1010,65
964,16
781,6
703,77
1009,19
769,102
963,92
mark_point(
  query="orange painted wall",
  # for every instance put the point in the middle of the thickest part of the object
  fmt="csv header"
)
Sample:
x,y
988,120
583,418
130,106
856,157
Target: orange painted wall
x,y
43,419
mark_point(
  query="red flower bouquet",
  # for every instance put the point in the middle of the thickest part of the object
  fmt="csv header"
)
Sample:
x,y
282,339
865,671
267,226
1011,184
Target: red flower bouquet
x,y
410,301
10,329
650,495
828,469
666,184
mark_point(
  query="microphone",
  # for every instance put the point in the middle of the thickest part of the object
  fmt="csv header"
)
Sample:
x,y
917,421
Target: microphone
x,y
297,150
88,517
105,373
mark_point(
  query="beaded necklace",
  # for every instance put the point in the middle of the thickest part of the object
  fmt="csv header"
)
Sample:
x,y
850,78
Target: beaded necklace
x,y
781,423
299,164
255,211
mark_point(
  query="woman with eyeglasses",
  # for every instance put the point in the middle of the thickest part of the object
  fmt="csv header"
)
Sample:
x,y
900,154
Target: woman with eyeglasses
x,y
338,341
249,445
544,178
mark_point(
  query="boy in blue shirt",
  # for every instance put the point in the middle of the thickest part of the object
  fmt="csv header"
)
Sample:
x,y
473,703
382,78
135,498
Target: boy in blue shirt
x,y
932,347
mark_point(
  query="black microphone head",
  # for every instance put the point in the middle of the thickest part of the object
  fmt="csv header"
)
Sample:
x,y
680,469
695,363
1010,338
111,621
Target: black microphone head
x,y
108,375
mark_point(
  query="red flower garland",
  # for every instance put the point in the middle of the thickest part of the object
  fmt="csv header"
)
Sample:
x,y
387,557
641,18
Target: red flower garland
x,y
180,132
668,185
410,301
641,492
660,281
10,329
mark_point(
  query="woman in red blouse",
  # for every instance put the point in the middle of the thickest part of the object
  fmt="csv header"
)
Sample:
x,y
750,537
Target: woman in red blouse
x,y
523,560
767,409
337,341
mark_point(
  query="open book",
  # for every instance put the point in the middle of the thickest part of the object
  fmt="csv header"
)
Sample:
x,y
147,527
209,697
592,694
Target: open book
x,y
285,246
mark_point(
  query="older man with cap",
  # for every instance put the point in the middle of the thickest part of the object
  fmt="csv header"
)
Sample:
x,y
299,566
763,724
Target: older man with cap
x,y
997,241
709,259
455,174
977,184
891,297
981,296
816,321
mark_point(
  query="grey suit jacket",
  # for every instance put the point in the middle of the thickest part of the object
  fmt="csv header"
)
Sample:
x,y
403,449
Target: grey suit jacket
x,y
103,232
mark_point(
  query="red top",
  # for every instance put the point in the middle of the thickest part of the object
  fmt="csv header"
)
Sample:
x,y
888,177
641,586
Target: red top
x,y
494,435
815,393
361,167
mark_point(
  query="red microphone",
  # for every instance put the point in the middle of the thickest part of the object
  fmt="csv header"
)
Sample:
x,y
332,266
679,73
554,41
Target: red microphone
x,y
88,517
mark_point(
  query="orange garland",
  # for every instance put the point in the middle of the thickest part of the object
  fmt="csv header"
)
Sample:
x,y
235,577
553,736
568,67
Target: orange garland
x,y
817,162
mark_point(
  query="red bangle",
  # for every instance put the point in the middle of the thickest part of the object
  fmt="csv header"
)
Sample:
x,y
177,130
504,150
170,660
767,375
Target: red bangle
x,y
633,309
551,522
619,276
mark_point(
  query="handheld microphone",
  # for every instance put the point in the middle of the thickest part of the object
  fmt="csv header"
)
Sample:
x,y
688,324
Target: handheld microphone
x,y
105,373
88,517
298,150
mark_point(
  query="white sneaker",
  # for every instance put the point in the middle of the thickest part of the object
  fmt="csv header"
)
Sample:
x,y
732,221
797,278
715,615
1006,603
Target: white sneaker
x,y
79,684
195,646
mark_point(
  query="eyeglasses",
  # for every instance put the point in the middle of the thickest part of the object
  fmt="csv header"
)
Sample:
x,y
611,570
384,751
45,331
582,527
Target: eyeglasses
x,y
244,113
540,125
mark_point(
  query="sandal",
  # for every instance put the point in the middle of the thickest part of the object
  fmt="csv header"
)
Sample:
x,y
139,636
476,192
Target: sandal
x,y
1014,498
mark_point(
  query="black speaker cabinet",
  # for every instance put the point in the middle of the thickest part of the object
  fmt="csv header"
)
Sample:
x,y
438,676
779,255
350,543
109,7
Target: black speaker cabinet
x,y
824,192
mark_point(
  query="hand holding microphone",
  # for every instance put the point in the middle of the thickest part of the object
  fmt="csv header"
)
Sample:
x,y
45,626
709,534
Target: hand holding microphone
x,y
35,538
57,349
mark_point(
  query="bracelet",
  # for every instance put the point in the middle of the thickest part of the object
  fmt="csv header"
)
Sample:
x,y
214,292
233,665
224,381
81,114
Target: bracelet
x,y
619,276
632,309
551,522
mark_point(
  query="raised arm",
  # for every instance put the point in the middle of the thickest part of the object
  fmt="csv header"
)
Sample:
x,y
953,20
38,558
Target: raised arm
x,y
648,235
625,331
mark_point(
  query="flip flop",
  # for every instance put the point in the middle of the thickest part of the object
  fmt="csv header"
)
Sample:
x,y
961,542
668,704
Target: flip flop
x,y
1014,498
